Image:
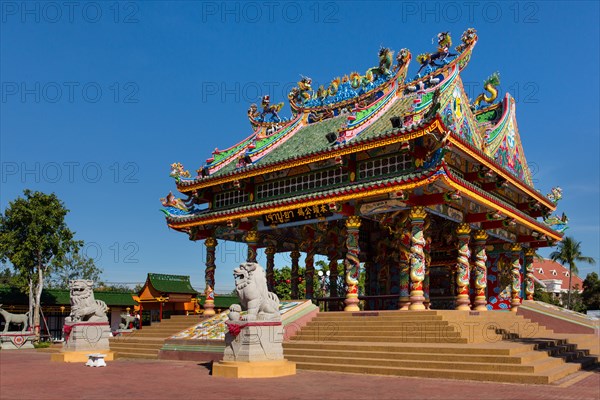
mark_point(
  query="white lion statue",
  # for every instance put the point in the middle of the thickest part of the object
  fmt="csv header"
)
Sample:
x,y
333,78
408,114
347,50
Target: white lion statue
x,y
251,288
84,307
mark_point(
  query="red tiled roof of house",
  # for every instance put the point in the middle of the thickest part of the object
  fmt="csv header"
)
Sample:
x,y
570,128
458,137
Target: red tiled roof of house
x,y
548,269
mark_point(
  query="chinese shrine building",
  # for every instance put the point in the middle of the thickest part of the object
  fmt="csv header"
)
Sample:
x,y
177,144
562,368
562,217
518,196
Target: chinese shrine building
x,y
165,295
426,190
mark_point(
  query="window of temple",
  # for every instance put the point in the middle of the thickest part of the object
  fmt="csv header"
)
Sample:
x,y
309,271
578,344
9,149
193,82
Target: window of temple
x,y
554,272
295,184
225,199
385,166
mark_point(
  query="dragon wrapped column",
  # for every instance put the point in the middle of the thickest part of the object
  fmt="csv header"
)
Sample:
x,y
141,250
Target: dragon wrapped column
x,y
209,276
417,258
463,232
480,302
309,274
515,274
529,286
252,242
352,263
403,245
295,278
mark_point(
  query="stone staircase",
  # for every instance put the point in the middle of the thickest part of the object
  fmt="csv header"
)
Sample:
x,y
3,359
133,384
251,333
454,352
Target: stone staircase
x,y
147,342
486,346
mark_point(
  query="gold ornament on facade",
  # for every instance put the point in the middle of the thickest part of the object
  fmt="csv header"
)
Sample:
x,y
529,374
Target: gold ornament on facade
x,y
418,212
463,229
515,247
353,222
252,236
270,250
210,242
529,252
480,235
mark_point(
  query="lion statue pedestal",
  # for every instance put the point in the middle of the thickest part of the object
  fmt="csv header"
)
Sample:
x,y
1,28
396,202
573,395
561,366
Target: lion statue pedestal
x,y
16,340
86,329
253,343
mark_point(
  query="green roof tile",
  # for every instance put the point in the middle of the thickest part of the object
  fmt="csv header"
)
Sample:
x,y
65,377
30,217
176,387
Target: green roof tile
x,y
13,296
171,283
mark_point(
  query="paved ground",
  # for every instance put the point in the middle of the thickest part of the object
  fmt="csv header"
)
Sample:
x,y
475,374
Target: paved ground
x,y
30,375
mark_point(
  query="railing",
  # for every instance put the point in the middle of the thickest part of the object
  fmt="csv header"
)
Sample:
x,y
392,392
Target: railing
x,y
382,302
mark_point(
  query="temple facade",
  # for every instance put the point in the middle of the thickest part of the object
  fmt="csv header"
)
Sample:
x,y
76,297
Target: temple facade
x,y
406,179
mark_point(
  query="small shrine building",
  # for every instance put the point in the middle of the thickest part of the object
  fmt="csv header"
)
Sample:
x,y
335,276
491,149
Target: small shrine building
x,y
164,295
407,178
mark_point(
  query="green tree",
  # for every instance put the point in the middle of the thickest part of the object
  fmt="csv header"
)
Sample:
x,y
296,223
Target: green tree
x,y
568,253
35,238
75,266
8,278
591,291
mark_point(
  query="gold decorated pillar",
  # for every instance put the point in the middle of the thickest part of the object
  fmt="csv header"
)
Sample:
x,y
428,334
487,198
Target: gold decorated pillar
x,y
480,303
515,274
403,244
270,253
352,263
252,242
427,253
295,256
463,232
417,257
529,285
209,276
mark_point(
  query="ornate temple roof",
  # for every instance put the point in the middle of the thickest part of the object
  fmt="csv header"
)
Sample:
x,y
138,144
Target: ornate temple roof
x,y
358,113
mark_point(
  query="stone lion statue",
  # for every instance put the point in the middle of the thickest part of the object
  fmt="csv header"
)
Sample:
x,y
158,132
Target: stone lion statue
x,y
128,319
251,288
84,307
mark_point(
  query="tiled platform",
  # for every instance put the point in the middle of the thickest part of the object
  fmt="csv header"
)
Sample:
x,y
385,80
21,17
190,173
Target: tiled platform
x,y
30,375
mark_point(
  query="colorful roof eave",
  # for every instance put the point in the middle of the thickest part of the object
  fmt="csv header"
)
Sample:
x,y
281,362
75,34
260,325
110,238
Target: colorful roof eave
x,y
389,137
482,197
392,136
486,160
372,189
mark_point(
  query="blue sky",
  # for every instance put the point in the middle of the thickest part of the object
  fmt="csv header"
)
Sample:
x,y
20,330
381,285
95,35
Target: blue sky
x,y
98,98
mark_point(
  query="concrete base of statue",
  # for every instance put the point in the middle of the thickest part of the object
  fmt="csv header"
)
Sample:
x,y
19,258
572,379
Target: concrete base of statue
x,y
254,350
83,338
80,356
255,369
16,340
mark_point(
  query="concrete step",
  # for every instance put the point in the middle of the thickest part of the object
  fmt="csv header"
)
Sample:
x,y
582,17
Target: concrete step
x,y
377,323
121,346
385,328
535,367
529,378
508,349
398,318
150,356
136,339
445,337
522,358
